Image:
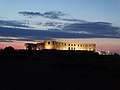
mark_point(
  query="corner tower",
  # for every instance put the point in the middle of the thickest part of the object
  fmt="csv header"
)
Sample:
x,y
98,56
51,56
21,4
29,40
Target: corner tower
x,y
49,44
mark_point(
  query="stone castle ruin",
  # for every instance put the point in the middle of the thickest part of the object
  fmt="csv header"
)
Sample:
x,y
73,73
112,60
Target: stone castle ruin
x,y
55,45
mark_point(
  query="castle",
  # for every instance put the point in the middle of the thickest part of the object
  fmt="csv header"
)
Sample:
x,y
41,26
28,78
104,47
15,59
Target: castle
x,y
51,44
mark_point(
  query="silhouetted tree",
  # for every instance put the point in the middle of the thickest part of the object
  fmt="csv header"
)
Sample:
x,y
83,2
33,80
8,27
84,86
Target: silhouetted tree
x,y
116,54
9,48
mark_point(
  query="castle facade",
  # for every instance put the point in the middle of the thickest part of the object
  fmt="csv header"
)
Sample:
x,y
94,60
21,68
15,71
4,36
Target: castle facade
x,y
51,44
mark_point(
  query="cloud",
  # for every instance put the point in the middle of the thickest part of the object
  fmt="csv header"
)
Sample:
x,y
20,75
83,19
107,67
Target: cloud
x,y
97,28
75,20
59,28
12,23
30,14
53,14
50,14
88,29
51,25
11,39
33,35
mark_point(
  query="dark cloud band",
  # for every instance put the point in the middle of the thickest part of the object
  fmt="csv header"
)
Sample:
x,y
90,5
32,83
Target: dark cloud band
x,y
50,14
12,23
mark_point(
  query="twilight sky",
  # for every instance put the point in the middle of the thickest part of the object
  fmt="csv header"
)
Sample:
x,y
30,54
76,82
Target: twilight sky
x,y
34,20
89,10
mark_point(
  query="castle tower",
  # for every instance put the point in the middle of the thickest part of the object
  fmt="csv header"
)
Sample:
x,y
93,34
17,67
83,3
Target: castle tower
x,y
49,44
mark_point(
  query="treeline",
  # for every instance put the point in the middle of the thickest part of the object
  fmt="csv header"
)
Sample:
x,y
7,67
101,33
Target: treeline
x,y
54,54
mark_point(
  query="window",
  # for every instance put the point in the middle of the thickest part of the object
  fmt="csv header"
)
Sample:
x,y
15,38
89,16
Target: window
x,y
65,44
71,48
68,44
74,44
68,48
48,42
71,44
78,45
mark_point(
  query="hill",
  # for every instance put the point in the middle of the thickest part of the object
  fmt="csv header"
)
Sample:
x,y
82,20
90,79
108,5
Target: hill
x,y
51,69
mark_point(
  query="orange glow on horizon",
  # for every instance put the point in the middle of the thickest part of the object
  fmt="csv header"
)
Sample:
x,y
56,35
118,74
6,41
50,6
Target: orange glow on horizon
x,y
101,44
13,44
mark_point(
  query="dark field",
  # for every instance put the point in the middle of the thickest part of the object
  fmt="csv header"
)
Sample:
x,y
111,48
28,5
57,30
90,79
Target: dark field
x,y
59,70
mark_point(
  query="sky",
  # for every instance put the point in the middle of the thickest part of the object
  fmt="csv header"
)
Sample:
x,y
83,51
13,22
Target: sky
x,y
90,10
33,20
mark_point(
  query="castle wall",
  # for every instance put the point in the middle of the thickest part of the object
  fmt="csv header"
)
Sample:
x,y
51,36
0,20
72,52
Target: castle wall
x,y
69,46
75,46
30,46
49,44
40,46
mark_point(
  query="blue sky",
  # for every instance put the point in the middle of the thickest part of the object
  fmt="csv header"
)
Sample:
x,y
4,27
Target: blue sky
x,y
86,18
90,10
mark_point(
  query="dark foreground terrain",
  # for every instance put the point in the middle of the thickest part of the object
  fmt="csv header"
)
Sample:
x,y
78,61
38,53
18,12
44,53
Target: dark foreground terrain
x,y
58,70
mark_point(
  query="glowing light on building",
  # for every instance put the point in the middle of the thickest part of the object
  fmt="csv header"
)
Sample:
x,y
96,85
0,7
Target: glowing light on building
x,y
50,44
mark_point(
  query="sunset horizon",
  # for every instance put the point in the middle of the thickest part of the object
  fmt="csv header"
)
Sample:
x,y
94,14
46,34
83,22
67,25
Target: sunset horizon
x,y
107,45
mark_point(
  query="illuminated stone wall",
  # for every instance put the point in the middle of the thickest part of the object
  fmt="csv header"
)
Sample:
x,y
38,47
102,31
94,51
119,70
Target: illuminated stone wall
x,y
40,46
68,46
49,44
30,46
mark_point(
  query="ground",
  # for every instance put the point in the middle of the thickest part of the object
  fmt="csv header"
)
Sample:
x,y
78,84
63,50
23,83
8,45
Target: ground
x,y
31,70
